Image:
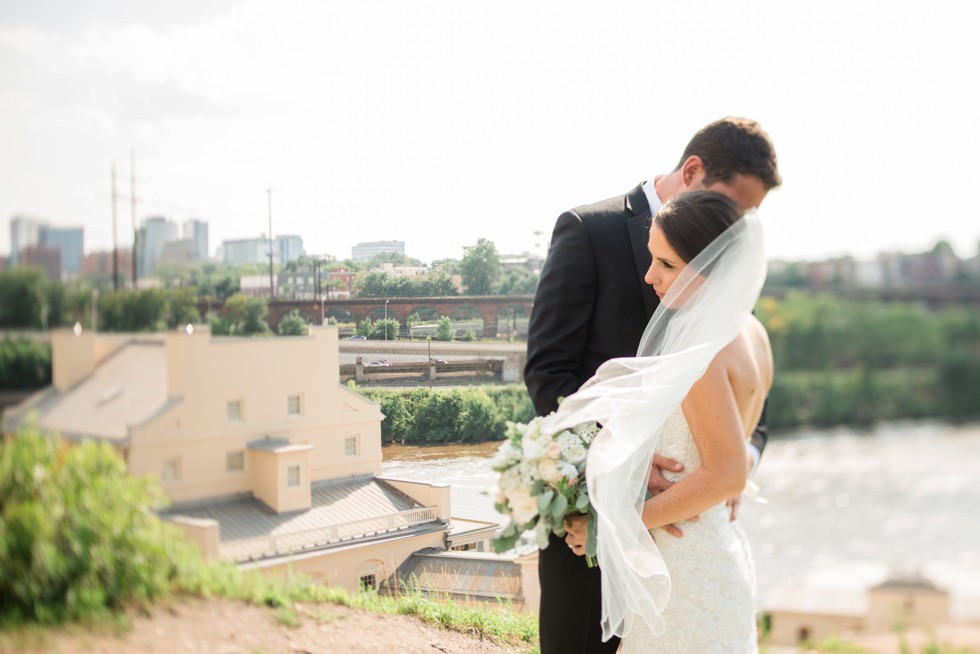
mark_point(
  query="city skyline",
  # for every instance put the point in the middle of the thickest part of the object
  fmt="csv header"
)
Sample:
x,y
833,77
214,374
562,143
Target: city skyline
x,y
441,125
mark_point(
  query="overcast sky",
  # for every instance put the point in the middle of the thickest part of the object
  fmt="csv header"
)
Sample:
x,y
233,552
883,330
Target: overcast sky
x,y
441,122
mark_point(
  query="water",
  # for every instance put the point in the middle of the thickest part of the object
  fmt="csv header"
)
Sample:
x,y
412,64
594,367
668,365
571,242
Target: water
x,y
844,506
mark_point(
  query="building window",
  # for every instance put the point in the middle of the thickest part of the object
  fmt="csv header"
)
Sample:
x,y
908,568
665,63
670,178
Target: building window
x,y
369,582
294,405
170,470
292,477
350,446
234,411
235,461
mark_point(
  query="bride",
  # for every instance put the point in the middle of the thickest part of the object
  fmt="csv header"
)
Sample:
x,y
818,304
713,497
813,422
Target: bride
x,y
693,393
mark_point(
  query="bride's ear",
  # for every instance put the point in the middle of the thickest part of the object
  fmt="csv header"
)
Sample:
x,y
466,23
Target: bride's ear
x,y
692,172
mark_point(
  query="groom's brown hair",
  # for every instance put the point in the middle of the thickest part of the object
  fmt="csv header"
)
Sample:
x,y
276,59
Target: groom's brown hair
x,y
731,146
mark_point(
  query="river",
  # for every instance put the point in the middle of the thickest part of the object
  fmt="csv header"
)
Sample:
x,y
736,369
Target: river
x,y
843,506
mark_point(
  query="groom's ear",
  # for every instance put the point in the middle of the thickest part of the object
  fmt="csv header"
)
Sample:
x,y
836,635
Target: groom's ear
x,y
692,172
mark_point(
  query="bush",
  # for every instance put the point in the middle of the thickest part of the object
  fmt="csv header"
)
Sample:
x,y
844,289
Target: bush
x,y
24,364
444,329
450,415
292,324
78,535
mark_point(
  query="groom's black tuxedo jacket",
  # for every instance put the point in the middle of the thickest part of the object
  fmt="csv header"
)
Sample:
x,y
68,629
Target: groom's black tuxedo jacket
x,y
592,304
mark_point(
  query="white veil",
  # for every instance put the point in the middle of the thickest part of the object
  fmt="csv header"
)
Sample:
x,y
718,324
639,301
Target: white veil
x,y
633,397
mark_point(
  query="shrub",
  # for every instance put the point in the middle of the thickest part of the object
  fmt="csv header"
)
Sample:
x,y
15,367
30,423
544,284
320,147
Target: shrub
x,y
24,364
78,535
292,324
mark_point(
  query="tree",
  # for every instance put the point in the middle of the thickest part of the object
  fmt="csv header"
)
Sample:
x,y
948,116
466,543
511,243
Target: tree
x,y
518,281
292,324
480,268
444,329
385,330
21,298
183,307
243,315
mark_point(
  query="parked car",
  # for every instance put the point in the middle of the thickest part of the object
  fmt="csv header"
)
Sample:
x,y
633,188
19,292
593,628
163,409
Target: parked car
x,y
379,362
357,337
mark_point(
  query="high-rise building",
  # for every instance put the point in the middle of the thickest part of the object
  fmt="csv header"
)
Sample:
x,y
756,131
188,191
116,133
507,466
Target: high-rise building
x,y
285,248
23,234
154,233
34,235
289,247
367,251
197,231
245,250
70,242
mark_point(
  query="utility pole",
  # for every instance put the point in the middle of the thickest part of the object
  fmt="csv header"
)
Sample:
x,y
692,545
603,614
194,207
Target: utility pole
x,y
132,194
272,284
115,236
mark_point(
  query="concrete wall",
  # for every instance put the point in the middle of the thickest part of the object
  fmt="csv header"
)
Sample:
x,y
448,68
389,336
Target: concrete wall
x,y
910,607
786,627
433,494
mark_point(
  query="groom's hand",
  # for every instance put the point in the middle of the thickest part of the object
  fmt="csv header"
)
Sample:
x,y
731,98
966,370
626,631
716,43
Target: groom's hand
x,y
576,533
657,484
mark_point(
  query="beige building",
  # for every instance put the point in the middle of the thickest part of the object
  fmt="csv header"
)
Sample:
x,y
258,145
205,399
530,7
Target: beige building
x,y
268,459
794,616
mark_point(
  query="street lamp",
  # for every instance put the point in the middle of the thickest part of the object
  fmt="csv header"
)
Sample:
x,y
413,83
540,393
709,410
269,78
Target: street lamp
x,y
323,298
95,309
386,320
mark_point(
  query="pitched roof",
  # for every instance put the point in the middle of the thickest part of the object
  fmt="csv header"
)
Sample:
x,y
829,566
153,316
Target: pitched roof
x,y
126,389
340,512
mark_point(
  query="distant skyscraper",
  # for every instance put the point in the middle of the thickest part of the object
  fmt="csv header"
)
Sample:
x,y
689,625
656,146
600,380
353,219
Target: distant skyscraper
x,y
152,235
197,231
245,250
23,234
70,241
288,248
367,251
240,251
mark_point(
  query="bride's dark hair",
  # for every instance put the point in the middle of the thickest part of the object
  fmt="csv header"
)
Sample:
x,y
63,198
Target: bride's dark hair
x,y
692,220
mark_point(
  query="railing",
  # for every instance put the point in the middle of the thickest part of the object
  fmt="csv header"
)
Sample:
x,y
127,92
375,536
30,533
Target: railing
x,y
255,548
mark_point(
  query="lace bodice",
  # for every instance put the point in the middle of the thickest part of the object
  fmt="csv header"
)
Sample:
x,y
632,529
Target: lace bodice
x,y
711,606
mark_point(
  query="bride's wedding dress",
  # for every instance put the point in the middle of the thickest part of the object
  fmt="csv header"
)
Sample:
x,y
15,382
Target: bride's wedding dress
x,y
711,605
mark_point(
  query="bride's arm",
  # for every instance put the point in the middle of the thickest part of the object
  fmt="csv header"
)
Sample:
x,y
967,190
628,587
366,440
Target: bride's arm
x,y
713,416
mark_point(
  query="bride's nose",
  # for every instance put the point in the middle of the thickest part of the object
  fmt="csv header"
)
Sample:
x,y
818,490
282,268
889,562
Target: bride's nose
x,y
651,277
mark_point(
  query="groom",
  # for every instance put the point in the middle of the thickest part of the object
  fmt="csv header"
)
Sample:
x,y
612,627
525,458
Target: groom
x,y
592,305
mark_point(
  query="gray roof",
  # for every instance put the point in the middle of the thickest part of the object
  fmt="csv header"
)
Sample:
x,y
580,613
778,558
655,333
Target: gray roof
x,y
361,507
126,389
472,575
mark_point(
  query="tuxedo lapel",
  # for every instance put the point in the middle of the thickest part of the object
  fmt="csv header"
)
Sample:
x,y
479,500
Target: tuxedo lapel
x,y
638,227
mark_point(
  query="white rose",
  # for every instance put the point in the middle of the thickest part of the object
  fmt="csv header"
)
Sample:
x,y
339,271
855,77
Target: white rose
x,y
553,450
568,470
549,470
575,454
523,507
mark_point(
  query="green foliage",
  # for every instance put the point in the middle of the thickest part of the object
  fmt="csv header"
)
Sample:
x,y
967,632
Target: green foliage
x,y
243,316
78,535
518,281
450,415
292,324
182,308
24,364
384,330
846,362
444,329
133,311
29,301
378,284
468,335
480,268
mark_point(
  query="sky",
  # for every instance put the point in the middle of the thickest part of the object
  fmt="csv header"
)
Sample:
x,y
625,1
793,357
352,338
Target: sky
x,y
439,122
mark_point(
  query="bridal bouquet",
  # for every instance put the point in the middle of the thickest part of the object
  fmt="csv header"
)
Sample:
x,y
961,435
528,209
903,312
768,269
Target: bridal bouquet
x,y
542,480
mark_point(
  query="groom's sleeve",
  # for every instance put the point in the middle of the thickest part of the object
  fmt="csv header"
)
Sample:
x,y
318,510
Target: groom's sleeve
x,y
561,315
